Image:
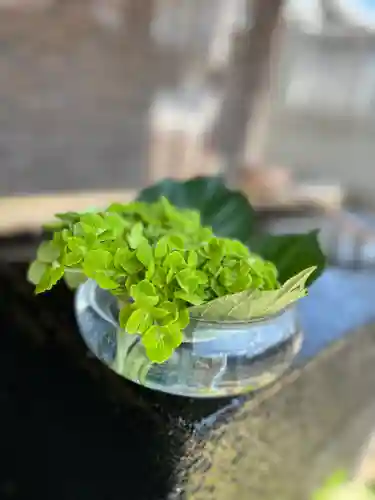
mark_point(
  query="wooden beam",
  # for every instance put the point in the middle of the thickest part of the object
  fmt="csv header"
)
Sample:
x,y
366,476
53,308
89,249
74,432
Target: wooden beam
x,y
252,55
30,212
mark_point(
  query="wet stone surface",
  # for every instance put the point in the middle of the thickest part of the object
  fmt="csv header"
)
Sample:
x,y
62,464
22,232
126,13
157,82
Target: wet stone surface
x,y
98,436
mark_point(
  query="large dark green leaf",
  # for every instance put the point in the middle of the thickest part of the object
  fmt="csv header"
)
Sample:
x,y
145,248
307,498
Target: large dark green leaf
x,y
291,253
228,212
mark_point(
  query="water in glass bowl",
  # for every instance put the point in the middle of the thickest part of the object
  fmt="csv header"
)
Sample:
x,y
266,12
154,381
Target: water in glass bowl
x,y
216,359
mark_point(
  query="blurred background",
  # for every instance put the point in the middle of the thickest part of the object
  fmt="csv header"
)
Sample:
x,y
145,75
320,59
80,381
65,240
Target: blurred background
x,y
100,98
104,94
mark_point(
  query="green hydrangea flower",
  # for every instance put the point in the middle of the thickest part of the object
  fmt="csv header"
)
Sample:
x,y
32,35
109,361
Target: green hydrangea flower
x,y
163,265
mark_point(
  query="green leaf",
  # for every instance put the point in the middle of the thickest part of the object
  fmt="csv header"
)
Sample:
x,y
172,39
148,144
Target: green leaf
x,y
115,223
44,285
48,252
190,298
96,260
159,277
170,276
105,281
187,280
73,258
136,237
138,322
125,313
146,301
150,272
144,294
144,253
216,249
116,207
144,287
183,318
174,260
172,308
161,248
73,278
50,277
55,225
122,255
132,265
106,235
192,260
92,222
160,343
75,243
173,334
36,271
291,253
235,248
160,352
56,274
253,304
298,282
176,242
126,260
68,217
159,313
218,289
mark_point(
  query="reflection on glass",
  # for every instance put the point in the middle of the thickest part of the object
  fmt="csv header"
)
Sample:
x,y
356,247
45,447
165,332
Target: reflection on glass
x,y
215,359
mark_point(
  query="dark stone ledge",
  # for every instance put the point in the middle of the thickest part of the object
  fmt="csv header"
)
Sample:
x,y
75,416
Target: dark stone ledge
x,y
73,429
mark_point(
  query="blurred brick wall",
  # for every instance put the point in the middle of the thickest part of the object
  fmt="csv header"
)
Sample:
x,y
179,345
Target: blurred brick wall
x,y
25,4
89,90
108,12
74,97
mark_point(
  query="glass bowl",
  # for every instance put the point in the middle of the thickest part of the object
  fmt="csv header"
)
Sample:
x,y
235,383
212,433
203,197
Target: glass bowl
x,y
216,359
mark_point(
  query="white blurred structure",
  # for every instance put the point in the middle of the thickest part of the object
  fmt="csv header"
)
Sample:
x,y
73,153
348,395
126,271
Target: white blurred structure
x,y
308,15
204,25
179,121
231,19
332,69
360,13
109,13
323,113
312,15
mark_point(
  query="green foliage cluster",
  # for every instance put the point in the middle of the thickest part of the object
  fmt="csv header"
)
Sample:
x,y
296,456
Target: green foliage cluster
x,y
230,215
159,260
